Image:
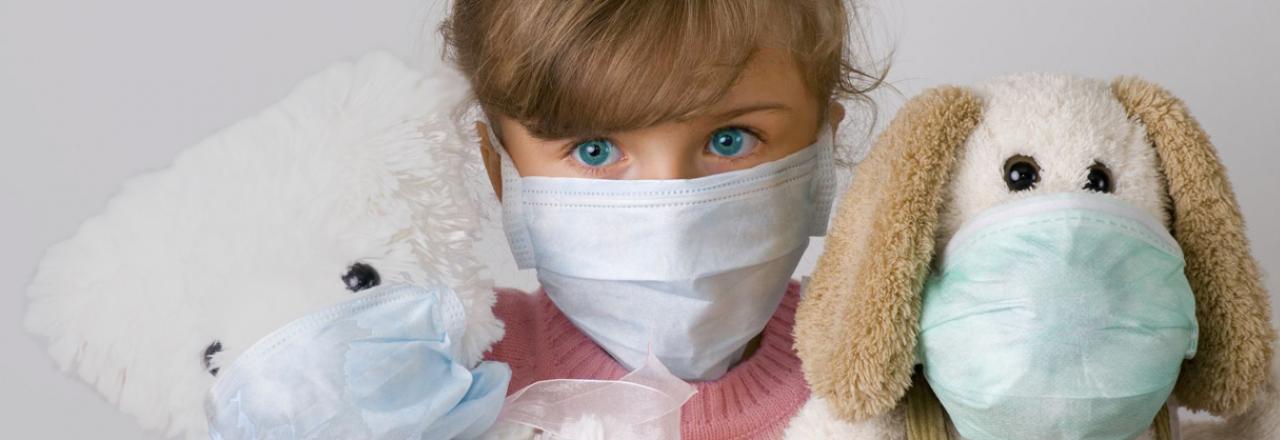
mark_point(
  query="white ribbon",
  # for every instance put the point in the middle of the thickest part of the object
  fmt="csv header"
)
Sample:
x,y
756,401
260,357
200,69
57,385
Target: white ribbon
x,y
644,404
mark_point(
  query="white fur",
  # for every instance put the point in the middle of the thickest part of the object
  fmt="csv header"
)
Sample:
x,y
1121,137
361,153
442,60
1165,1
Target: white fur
x,y
1066,123
816,421
254,226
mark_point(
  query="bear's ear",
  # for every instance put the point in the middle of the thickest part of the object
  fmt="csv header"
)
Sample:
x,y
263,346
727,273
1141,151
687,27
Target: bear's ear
x,y
856,325
1234,351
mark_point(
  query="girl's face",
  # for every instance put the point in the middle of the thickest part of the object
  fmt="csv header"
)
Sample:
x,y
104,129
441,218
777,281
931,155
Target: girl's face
x,y
767,114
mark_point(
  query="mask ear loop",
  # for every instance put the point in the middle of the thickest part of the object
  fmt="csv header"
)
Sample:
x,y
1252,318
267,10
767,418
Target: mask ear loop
x,y
453,314
824,181
512,203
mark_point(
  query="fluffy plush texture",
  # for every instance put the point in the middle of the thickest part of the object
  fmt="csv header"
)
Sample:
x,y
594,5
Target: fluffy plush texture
x,y
817,420
1066,124
256,226
1260,421
941,162
1236,337
856,326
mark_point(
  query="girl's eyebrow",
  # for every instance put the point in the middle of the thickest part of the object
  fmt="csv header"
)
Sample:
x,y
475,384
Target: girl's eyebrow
x,y
752,108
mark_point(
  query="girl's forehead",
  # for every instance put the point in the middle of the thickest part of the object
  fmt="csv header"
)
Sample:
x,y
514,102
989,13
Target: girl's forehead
x,y
771,78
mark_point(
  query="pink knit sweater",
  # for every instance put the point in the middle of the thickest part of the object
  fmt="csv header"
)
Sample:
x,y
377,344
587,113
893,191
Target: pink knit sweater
x,y
754,400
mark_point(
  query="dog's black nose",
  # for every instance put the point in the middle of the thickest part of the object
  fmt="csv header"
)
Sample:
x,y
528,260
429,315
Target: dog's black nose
x,y
361,276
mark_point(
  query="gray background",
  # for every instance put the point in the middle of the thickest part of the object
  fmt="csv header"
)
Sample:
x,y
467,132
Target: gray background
x,y
94,92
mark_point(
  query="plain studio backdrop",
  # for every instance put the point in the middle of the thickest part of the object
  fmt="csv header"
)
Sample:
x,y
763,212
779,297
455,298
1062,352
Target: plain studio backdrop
x,y
92,93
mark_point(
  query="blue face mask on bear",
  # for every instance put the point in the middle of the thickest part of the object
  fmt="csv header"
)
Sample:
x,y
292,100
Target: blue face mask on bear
x,y
1058,316
381,366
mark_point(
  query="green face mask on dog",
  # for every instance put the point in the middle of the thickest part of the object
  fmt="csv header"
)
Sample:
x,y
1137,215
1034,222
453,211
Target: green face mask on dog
x,y
1057,316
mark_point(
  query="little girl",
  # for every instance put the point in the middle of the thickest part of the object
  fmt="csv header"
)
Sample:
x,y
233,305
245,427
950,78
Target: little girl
x,y
662,165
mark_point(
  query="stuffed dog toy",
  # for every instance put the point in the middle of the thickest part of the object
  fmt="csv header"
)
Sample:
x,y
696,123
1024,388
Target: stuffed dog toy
x,y
357,179
1148,298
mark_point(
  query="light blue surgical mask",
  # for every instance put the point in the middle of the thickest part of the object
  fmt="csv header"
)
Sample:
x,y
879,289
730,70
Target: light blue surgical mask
x,y
688,269
380,366
1062,316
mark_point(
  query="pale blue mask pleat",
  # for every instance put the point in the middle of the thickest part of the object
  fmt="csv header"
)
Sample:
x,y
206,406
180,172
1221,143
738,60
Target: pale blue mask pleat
x,y
380,366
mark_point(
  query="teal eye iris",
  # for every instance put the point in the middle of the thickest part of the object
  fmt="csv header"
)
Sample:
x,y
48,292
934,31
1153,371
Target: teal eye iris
x,y
595,153
731,142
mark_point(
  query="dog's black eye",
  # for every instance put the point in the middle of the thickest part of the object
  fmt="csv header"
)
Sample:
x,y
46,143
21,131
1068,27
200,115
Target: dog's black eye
x,y
1099,179
361,276
209,351
1021,173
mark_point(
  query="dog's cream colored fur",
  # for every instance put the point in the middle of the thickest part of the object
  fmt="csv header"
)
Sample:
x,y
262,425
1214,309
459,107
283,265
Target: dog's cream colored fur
x,y
1077,122
1066,124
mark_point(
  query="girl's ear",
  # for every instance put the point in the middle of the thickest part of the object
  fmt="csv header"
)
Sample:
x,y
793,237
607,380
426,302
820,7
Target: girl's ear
x,y
492,161
835,114
856,326
1234,351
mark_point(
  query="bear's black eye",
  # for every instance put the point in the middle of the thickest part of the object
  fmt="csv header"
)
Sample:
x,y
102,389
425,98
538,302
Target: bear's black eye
x,y
361,276
1099,179
1021,173
209,351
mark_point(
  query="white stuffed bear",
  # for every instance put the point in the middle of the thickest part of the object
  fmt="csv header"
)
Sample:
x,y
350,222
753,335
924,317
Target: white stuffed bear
x,y
357,178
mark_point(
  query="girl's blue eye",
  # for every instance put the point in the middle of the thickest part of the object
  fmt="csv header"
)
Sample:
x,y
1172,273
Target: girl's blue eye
x,y
732,142
596,153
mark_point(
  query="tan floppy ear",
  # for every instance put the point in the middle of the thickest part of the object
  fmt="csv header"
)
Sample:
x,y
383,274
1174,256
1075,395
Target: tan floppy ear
x,y
856,325
1234,352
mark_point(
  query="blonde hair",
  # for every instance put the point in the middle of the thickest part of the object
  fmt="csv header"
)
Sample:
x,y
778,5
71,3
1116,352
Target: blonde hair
x,y
570,68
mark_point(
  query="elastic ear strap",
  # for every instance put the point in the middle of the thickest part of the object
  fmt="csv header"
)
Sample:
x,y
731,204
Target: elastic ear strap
x,y
454,314
512,206
824,181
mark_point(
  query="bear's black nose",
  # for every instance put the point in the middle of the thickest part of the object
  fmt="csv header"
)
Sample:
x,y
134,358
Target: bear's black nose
x,y
209,351
361,276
